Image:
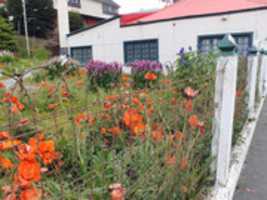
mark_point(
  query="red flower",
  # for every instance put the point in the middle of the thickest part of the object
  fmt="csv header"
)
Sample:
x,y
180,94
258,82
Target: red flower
x,y
2,85
30,194
117,192
4,135
150,76
5,163
47,151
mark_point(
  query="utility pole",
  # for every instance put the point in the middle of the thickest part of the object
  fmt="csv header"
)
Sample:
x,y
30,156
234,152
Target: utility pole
x,y
26,27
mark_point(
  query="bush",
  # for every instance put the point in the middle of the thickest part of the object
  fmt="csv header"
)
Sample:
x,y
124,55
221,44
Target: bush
x,y
6,57
41,54
103,75
7,36
194,70
145,73
76,21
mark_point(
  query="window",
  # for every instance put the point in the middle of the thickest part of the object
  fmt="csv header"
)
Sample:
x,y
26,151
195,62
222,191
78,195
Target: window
x,y
141,50
82,54
109,9
210,43
74,3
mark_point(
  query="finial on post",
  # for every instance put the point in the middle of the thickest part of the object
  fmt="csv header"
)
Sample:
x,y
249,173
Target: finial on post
x,y
227,45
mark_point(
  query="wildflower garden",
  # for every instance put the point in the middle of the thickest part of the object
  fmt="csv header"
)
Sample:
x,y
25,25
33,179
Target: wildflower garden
x,y
96,133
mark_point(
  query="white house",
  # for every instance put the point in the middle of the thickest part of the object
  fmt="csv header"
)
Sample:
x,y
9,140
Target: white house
x,y
92,11
159,35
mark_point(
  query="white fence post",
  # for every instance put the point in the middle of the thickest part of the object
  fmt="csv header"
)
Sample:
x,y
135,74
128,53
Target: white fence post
x,y
264,72
253,63
226,78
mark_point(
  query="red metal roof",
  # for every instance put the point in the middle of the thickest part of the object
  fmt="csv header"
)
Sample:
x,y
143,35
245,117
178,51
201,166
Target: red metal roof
x,y
191,8
133,17
2,1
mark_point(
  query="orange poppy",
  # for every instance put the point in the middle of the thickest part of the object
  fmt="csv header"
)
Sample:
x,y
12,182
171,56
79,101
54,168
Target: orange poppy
x,y
190,93
103,131
30,194
108,105
138,129
150,76
47,151
117,192
179,136
188,105
193,121
157,135
115,131
27,152
9,144
52,106
80,118
28,172
4,135
5,163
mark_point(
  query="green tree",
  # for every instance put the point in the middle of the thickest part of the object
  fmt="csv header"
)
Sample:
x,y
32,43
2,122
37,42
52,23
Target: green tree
x,y
7,36
76,21
40,16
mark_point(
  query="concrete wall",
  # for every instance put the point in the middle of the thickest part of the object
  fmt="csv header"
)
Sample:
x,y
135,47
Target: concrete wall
x,y
107,40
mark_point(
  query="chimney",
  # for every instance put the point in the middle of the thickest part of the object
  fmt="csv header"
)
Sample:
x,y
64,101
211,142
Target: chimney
x,y
63,25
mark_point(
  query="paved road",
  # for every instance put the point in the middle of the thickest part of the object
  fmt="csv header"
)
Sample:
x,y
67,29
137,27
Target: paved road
x,y
253,181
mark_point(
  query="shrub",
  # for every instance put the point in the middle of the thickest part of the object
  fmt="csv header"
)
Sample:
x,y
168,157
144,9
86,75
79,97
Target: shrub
x,y
6,57
194,70
76,21
7,36
103,75
143,71
41,54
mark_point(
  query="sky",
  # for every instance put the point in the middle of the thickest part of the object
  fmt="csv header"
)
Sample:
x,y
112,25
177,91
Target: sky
x,y
129,6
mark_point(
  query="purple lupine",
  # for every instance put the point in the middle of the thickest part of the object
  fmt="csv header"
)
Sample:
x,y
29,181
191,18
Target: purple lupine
x,y
99,67
145,65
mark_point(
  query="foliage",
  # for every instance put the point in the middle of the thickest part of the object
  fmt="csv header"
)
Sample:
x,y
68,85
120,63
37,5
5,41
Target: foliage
x,y
145,73
197,67
7,36
41,16
6,57
103,75
76,21
137,143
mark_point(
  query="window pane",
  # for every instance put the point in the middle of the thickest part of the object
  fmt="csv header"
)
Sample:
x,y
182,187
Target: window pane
x,y
82,54
141,50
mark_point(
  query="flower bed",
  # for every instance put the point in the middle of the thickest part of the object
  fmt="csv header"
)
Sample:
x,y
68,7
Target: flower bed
x,y
149,143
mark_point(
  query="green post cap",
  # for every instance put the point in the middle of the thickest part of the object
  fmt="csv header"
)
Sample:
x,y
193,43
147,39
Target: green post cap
x,y
253,51
227,45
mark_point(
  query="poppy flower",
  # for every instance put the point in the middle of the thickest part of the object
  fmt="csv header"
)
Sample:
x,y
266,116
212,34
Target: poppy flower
x,y
117,192
190,93
150,76
5,163
108,105
157,135
188,105
52,106
193,121
115,131
47,151
4,135
28,172
9,144
27,152
179,136
30,194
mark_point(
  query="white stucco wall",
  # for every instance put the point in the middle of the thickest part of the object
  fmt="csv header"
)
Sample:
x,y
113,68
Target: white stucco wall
x,y
88,7
107,40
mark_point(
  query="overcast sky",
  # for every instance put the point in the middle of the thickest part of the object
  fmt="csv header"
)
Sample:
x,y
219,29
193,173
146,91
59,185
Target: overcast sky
x,y
128,6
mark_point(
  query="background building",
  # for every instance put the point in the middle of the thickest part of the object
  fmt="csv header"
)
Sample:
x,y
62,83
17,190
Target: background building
x,y
159,35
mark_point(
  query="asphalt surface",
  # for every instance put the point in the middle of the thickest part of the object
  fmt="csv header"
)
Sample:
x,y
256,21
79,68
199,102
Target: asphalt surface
x,y
253,180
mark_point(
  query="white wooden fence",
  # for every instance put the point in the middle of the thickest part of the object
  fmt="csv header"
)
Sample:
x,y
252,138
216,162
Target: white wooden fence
x,y
225,93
